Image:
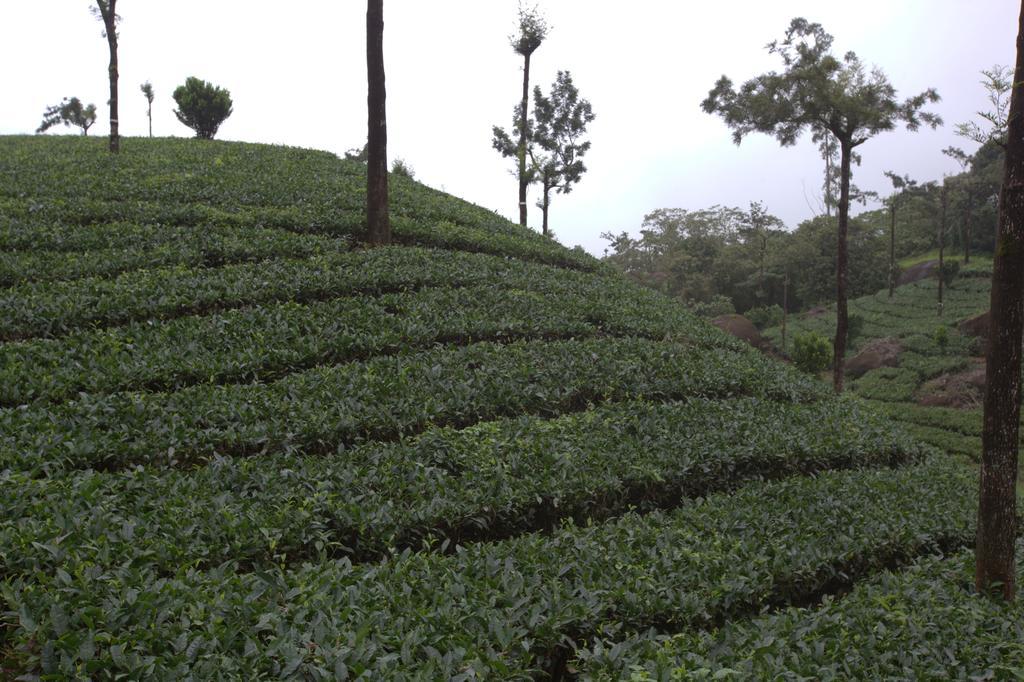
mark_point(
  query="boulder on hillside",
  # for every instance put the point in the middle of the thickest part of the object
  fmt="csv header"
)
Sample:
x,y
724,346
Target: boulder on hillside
x,y
964,389
741,328
816,311
977,326
878,353
916,273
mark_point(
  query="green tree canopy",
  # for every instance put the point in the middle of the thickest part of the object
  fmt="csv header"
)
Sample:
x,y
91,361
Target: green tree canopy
x,y
202,106
70,112
818,91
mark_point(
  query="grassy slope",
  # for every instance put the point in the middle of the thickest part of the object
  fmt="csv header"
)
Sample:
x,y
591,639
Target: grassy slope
x,y
912,317
233,445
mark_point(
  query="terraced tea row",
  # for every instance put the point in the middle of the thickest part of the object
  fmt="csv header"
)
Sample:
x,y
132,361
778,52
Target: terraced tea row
x,y
486,482
53,309
328,408
502,610
267,342
921,623
62,252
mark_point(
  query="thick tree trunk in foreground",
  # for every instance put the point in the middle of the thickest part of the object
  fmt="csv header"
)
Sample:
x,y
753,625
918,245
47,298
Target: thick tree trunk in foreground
x,y
892,248
522,140
378,221
107,12
997,510
839,344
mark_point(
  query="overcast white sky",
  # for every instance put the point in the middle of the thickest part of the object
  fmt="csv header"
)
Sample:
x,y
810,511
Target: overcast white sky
x,y
298,77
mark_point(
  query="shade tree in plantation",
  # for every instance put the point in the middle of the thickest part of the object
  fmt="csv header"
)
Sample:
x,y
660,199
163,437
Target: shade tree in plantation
x,y
378,222
556,147
106,11
995,561
70,112
820,91
902,185
531,32
202,106
147,91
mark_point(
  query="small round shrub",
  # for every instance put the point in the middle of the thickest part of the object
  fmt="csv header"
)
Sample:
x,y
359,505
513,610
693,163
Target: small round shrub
x,y
941,336
812,352
765,316
718,305
854,327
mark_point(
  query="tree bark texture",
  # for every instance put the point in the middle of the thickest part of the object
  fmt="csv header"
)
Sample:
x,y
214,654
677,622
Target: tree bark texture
x,y
522,139
892,248
109,15
839,343
997,512
377,218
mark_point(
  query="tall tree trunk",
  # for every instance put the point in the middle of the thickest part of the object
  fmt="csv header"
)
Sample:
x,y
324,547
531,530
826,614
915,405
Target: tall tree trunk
x,y
522,139
942,241
892,247
149,113
377,217
109,15
967,225
785,308
545,204
839,344
997,510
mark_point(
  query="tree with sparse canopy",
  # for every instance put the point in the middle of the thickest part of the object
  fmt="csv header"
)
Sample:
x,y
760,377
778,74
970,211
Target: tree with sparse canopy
x,y
819,91
147,91
378,220
70,112
995,559
901,185
532,31
105,10
555,147
202,106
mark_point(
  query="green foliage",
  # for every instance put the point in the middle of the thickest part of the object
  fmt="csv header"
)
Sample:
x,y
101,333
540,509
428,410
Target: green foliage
x,y
233,447
400,167
202,106
812,353
855,327
69,112
941,336
765,316
718,305
950,271
921,623
496,609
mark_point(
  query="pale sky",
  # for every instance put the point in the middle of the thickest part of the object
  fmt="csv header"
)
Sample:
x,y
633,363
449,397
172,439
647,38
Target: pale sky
x,y
298,77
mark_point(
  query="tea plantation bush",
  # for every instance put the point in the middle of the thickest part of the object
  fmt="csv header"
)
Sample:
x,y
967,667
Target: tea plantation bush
x,y
236,444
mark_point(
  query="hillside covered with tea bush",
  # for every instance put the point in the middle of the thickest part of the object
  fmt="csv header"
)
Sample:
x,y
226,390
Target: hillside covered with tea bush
x,y
236,444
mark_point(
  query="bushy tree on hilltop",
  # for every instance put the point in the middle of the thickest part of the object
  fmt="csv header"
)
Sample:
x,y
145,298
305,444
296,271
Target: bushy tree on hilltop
x,y
202,106
532,32
819,91
147,92
555,147
70,112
